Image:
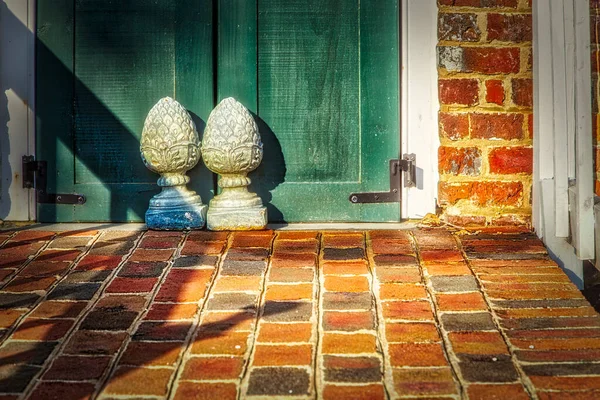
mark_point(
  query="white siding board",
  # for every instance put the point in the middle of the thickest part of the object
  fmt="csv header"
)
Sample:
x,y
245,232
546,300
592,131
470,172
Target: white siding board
x,y
543,135
563,133
543,162
561,179
559,249
597,230
584,201
570,85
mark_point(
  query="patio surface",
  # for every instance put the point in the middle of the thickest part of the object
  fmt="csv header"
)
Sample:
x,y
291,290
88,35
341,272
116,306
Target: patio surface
x,y
299,314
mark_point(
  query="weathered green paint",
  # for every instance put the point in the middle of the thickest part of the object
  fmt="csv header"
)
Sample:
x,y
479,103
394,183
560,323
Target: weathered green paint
x,y
102,65
194,69
54,100
322,76
236,60
326,97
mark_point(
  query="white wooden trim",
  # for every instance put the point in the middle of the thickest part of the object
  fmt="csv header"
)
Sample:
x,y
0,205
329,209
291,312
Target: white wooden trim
x,y
17,42
584,190
570,85
563,132
420,105
543,167
559,249
559,66
597,229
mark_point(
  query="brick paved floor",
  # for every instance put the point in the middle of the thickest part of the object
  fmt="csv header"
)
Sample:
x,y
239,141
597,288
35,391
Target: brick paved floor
x,y
333,315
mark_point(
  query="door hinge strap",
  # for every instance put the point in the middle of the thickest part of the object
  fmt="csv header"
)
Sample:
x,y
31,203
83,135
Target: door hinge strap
x,y
35,176
408,168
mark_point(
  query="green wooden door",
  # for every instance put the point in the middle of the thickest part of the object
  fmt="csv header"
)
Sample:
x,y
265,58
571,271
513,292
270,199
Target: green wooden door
x,y
321,77
101,66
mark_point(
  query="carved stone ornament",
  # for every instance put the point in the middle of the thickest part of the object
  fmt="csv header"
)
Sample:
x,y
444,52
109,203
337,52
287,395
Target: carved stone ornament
x,y
170,146
231,147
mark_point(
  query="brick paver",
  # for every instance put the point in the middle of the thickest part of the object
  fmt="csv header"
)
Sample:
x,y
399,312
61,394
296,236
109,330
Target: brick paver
x,y
291,314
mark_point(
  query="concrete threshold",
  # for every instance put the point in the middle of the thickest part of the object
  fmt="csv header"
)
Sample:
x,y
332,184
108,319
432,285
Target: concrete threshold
x,y
346,226
136,226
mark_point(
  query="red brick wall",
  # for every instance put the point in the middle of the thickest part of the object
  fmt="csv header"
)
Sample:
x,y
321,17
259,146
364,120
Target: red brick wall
x,y
486,97
595,40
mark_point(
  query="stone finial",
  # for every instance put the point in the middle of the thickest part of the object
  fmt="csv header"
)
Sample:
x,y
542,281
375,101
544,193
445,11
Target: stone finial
x,y
170,147
231,147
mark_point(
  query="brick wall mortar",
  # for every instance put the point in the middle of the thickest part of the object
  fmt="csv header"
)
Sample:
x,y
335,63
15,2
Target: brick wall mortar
x,y
484,10
318,376
482,22
485,78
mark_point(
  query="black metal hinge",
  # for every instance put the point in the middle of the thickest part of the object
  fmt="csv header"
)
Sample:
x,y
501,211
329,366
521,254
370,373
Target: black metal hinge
x,y
408,168
35,176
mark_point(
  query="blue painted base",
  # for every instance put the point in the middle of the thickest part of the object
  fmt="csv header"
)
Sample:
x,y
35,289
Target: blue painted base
x,y
177,218
176,208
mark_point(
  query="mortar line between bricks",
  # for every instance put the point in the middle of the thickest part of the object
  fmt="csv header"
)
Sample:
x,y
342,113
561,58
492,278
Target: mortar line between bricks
x,y
318,356
196,322
482,22
453,9
59,348
245,376
9,237
446,346
18,270
525,381
382,344
483,45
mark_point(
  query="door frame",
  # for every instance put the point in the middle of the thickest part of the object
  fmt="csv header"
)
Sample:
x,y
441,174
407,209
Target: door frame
x,y
420,103
418,109
17,56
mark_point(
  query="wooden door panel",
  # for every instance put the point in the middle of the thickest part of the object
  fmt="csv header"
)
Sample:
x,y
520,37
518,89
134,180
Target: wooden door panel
x,y
323,80
309,91
109,62
124,56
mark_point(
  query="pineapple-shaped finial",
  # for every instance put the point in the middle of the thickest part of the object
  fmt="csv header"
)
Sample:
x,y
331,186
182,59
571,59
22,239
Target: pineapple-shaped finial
x,y
231,147
170,147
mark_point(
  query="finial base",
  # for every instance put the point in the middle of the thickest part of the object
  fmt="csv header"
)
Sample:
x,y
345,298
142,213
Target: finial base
x,y
236,219
236,209
176,208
